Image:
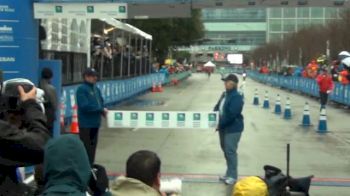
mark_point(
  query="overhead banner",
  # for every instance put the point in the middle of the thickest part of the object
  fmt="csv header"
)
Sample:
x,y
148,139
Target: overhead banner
x,y
162,119
18,40
80,10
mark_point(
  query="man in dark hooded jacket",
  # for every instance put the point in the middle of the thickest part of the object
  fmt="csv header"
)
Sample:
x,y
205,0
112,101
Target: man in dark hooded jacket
x,y
19,147
66,166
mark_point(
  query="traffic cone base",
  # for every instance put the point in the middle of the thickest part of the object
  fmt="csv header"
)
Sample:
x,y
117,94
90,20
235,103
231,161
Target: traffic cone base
x,y
287,110
278,109
266,104
287,114
306,122
322,125
160,88
256,98
154,88
256,101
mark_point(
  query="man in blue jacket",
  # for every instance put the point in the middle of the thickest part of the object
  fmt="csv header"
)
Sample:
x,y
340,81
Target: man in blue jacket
x,y
90,109
231,125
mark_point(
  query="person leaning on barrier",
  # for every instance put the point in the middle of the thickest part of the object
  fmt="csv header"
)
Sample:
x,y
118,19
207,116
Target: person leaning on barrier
x,y
142,176
23,135
90,109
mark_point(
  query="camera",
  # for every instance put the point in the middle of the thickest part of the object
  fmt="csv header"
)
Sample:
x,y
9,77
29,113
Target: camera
x,y
9,95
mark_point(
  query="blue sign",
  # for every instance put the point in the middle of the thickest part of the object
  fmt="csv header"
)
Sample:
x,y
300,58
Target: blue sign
x,y
18,40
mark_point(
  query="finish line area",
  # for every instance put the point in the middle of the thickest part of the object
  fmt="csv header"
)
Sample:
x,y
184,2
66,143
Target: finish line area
x,y
194,155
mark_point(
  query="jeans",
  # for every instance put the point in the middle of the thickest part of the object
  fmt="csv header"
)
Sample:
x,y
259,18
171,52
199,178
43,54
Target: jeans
x,y
89,137
229,144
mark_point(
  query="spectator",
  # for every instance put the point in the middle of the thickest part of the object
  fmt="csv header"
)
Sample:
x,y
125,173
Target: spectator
x,y
343,77
142,176
164,71
51,106
325,83
90,109
23,137
231,125
334,71
51,102
67,168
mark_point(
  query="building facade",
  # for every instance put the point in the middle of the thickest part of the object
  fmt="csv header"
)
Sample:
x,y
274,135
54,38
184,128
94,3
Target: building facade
x,y
244,29
283,21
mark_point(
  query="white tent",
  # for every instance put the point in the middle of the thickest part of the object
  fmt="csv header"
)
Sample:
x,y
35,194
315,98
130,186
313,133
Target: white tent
x,y
209,64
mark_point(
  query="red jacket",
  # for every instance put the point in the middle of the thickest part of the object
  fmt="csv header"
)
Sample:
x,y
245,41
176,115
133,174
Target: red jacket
x,y
325,82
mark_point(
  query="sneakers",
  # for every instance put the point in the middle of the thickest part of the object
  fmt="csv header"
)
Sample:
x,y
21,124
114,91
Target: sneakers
x,y
230,181
222,178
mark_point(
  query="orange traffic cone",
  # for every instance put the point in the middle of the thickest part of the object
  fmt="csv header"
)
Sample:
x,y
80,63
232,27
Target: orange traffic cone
x,y
160,88
154,88
74,126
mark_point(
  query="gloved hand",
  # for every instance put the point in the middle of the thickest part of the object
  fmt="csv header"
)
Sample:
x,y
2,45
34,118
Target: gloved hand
x,y
329,91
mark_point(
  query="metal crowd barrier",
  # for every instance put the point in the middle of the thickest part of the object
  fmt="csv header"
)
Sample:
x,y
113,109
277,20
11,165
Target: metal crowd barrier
x,y
341,93
116,91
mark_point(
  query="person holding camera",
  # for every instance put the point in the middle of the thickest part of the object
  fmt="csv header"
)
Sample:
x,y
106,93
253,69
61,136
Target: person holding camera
x,y
23,135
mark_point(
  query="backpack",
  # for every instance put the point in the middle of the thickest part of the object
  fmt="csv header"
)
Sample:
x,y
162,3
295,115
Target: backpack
x,y
99,183
250,186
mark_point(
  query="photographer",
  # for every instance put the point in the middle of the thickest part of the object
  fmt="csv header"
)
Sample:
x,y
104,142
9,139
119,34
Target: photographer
x,y
23,134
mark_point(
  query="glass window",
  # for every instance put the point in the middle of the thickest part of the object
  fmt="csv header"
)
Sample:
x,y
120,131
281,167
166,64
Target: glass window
x,y
275,37
331,12
289,12
316,12
276,12
303,23
289,25
275,25
303,12
317,21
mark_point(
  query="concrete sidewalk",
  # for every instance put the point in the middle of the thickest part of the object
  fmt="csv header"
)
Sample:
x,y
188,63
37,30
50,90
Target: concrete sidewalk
x,y
263,141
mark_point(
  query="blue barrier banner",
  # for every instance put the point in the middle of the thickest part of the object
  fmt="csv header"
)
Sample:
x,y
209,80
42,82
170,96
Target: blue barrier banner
x,y
113,91
340,94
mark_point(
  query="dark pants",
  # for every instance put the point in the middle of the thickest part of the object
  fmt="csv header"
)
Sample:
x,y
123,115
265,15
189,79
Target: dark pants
x,y
89,136
323,98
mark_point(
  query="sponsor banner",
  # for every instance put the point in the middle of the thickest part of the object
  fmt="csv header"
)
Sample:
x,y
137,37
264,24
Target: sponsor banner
x,y
18,40
80,10
162,119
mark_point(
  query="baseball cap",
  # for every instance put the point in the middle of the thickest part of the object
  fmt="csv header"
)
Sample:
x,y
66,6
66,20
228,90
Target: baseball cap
x,y
90,72
231,77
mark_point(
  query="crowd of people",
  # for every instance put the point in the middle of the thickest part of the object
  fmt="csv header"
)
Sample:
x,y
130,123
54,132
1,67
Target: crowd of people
x,y
338,69
170,68
106,54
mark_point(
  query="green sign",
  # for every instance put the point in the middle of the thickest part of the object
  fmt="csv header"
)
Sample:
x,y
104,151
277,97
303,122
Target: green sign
x,y
58,9
122,9
118,116
134,116
181,117
165,116
196,116
212,117
149,116
90,9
